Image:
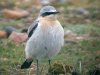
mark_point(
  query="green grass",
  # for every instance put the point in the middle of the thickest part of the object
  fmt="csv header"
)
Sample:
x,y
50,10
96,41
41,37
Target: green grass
x,y
10,23
12,55
82,28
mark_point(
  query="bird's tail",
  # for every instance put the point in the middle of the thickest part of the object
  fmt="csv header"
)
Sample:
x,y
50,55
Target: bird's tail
x,y
26,64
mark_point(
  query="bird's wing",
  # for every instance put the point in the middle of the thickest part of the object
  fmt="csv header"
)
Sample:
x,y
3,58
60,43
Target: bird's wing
x,y
32,28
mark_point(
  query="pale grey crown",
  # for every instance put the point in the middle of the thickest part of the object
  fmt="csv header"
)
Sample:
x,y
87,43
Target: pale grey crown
x,y
47,9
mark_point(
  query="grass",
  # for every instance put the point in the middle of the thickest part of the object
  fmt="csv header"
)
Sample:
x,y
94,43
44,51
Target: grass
x,y
12,55
86,51
82,28
10,22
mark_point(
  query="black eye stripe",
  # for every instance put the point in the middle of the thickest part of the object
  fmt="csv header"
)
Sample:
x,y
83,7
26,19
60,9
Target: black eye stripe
x,y
48,13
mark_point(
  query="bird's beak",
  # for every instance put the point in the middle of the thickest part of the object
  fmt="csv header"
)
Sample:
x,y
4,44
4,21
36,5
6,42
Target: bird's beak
x,y
57,12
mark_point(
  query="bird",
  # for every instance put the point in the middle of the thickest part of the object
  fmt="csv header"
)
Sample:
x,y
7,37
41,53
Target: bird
x,y
45,37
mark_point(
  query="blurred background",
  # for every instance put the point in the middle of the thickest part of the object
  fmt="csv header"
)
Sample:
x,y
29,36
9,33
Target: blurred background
x,y
81,22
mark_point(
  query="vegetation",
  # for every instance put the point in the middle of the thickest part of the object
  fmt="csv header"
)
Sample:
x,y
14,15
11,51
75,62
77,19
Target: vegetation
x,y
87,51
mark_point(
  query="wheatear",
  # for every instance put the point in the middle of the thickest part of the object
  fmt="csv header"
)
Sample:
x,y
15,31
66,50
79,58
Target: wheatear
x,y
46,37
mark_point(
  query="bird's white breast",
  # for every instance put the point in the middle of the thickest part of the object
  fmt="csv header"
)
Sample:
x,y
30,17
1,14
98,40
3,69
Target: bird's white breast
x,y
46,41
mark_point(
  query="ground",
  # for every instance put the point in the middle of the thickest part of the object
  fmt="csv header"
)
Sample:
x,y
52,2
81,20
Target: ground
x,y
87,51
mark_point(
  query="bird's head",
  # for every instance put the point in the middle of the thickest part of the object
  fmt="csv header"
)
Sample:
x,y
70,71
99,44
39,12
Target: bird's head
x,y
48,12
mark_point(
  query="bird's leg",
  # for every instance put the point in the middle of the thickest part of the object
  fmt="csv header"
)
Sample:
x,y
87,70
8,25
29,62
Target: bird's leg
x,y
50,73
37,67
